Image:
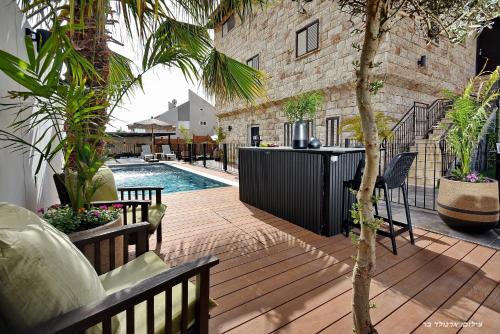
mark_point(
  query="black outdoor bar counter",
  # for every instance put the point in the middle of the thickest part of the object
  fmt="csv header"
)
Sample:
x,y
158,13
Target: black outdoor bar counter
x,y
304,187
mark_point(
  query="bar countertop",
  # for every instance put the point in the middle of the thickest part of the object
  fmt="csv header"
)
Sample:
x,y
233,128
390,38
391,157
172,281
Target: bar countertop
x,y
322,150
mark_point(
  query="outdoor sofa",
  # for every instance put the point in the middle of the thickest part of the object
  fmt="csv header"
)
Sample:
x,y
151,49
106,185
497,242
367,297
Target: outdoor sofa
x,y
48,285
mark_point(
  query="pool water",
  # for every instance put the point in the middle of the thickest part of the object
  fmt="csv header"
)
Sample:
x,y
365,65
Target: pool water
x,y
171,178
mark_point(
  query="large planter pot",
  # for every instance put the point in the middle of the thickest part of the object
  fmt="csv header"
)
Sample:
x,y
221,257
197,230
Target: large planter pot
x,y
300,139
468,206
104,247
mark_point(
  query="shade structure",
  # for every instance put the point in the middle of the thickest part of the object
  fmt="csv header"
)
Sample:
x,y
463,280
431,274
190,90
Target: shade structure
x,y
152,124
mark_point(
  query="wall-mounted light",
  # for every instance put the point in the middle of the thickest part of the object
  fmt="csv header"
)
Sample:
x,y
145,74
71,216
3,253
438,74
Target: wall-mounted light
x,y
229,128
40,36
422,62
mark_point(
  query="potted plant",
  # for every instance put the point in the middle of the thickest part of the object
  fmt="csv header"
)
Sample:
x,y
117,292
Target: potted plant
x,y
466,199
219,137
71,112
188,140
353,125
296,110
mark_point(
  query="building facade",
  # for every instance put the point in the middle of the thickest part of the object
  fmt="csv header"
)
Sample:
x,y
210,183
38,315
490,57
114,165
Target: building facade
x,y
312,50
196,114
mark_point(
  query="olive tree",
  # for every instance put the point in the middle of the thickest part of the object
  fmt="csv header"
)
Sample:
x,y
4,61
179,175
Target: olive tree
x,y
455,20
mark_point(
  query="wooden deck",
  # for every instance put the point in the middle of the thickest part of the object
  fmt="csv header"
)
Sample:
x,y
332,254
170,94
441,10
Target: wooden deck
x,y
276,277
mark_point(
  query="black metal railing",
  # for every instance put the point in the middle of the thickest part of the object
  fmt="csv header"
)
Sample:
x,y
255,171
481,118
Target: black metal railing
x,y
418,122
222,157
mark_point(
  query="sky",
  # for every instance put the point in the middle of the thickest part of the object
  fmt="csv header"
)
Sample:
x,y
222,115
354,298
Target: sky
x,y
161,85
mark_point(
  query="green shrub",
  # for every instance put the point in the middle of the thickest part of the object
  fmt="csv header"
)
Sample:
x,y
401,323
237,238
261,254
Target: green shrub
x,y
302,106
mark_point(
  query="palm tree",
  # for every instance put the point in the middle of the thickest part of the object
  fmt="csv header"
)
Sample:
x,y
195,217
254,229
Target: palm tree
x,y
165,40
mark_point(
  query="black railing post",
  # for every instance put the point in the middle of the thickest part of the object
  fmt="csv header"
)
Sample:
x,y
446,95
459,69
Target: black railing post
x,y
224,156
204,154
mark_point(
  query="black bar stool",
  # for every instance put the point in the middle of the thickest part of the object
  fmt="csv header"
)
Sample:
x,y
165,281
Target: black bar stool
x,y
394,177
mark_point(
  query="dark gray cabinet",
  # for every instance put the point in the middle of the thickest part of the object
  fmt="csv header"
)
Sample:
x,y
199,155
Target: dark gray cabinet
x,y
301,186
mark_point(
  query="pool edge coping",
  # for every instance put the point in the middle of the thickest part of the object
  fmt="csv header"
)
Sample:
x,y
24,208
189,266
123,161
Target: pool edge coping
x,y
200,173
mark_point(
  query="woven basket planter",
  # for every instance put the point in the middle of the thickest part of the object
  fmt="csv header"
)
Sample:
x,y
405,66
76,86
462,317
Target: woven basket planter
x,y
468,206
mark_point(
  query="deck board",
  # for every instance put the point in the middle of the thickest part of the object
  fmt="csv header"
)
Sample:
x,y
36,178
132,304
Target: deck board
x,y
276,277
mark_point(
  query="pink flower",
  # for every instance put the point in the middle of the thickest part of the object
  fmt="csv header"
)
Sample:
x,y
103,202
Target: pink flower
x,y
103,207
118,206
472,177
97,213
40,211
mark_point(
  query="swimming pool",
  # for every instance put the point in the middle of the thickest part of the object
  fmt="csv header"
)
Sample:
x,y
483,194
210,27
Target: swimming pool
x,y
171,178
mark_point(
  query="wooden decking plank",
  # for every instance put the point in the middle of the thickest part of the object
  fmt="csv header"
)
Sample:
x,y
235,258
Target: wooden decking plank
x,y
234,249
314,260
267,236
390,297
410,315
247,258
487,315
238,309
462,305
224,227
302,290
259,264
320,307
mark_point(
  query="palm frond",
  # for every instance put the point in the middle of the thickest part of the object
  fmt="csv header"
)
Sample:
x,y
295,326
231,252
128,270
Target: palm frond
x,y
228,79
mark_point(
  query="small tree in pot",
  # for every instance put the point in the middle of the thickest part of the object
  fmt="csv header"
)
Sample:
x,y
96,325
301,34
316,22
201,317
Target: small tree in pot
x,y
219,137
188,140
466,199
296,110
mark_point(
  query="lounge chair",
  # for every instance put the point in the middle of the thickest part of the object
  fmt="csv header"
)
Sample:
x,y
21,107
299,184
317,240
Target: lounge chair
x,y
146,153
49,287
137,202
166,152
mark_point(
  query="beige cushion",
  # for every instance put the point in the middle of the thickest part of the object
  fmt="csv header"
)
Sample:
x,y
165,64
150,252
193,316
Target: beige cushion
x,y
155,215
107,190
143,267
42,274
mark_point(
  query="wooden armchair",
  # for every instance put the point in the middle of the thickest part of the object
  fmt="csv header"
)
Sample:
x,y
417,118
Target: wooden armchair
x,y
125,302
156,211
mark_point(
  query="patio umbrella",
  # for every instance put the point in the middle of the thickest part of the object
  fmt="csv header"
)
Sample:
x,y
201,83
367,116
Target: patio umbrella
x,y
152,124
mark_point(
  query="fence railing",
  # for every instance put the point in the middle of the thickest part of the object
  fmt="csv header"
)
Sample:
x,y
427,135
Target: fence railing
x,y
118,150
221,157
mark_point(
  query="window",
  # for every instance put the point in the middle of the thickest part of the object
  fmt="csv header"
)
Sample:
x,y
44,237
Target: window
x,y
228,25
203,123
288,132
253,62
307,39
332,131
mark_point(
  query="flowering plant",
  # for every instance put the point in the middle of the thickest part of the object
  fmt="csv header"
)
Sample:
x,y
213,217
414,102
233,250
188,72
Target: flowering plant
x,y
472,177
64,219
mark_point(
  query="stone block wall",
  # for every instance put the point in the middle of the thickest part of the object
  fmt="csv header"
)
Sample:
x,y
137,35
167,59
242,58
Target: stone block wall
x,y
272,34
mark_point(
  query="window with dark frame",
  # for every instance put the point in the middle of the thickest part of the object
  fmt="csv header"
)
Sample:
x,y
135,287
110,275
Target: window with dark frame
x,y
254,62
228,25
288,131
333,131
307,39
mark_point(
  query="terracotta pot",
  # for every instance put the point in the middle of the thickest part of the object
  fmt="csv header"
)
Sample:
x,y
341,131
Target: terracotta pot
x,y
104,250
468,206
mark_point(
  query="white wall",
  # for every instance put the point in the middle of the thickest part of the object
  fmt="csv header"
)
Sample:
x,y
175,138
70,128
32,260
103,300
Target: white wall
x,y
17,182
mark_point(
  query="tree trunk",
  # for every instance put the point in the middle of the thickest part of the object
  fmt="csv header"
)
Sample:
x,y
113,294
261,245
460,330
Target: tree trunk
x,y
365,261
91,43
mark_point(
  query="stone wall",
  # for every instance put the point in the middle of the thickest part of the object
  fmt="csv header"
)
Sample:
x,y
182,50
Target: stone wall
x,y
272,33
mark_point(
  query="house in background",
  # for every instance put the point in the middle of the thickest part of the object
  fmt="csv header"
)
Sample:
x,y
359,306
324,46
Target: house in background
x,y
312,50
196,114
